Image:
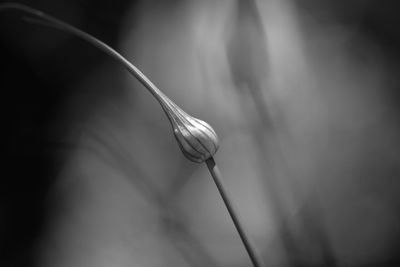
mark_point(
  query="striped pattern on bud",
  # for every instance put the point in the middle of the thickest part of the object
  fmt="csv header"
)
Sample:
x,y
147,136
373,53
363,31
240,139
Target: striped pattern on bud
x,y
196,138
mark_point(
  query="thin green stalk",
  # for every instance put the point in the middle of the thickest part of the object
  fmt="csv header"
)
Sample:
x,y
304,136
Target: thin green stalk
x,y
216,175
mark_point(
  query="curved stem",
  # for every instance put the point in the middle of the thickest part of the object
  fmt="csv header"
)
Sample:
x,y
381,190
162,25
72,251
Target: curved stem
x,y
160,96
216,175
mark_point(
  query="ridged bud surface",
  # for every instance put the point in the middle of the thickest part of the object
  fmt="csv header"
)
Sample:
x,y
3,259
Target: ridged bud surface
x,y
196,138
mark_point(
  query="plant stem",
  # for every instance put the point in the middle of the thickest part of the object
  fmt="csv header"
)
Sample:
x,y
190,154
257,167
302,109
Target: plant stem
x,y
50,21
217,177
166,103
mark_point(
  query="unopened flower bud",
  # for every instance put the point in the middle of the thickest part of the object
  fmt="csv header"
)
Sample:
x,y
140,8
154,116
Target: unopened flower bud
x,y
196,138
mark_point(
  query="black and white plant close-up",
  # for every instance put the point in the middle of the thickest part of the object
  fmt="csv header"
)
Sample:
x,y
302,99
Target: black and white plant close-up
x,y
200,133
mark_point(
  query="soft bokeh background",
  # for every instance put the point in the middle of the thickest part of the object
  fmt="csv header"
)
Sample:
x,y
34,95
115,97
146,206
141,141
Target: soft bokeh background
x,y
303,94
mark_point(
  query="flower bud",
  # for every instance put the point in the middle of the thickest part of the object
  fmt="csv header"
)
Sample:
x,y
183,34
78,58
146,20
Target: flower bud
x,y
196,138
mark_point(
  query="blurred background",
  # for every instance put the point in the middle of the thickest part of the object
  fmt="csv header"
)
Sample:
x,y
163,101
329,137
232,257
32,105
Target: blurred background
x,y
302,93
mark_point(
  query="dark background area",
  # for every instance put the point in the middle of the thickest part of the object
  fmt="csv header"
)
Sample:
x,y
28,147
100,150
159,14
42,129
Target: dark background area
x,y
34,88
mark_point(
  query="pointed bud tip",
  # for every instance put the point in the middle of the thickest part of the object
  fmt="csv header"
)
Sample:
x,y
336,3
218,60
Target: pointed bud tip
x,y
196,138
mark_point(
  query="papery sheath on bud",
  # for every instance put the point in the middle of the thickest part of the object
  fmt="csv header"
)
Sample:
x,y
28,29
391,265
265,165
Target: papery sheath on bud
x,y
196,138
